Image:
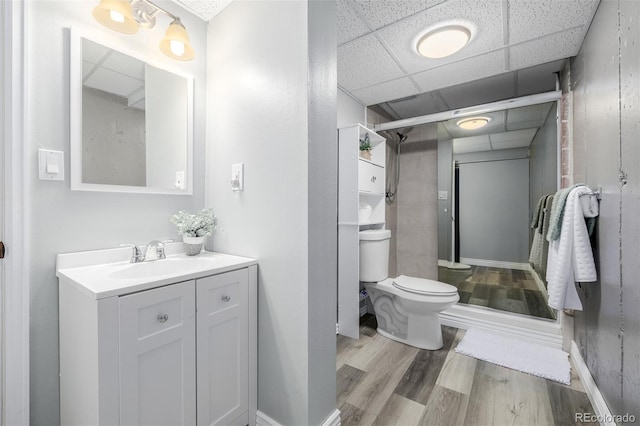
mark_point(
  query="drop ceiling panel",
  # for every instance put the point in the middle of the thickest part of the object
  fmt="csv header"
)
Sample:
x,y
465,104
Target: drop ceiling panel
x,y
461,72
364,62
485,16
205,9
534,114
396,88
125,65
516,135
113,82
546,49
538,79
422,104
349,25
464,145
533,19
510,144
379,13
489,90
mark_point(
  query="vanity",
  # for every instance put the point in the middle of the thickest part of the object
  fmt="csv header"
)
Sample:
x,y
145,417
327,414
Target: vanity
x,y
165,342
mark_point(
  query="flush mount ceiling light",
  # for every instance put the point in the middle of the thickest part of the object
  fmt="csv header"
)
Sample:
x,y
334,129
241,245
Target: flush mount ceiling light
x,y
443,41
473,123
127,16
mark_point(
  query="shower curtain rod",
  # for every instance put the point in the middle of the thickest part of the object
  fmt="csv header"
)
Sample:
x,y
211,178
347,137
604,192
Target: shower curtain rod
x,y
466,112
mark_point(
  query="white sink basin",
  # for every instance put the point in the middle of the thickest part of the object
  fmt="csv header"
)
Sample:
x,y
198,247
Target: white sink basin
x,y
106,273
159,268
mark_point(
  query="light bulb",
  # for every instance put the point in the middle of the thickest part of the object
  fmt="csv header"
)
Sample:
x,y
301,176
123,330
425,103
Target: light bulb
x,y
116,16
177,47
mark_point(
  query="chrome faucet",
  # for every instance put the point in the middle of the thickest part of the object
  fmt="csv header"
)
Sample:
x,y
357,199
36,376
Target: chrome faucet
x,y
157,253
136,255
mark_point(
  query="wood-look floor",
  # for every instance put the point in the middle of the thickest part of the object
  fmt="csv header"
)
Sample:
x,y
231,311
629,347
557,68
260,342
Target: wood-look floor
x,y
508,290
383,382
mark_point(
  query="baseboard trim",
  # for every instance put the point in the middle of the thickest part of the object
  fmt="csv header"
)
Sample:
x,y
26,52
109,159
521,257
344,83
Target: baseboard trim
x,y
595,396
495,263
544,332
333,419
264,420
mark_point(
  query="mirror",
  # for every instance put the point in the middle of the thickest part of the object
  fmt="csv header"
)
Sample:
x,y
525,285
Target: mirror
x,y
489,183
131,122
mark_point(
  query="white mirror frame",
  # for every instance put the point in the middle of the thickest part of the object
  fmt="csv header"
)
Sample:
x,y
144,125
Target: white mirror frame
x,y
75,109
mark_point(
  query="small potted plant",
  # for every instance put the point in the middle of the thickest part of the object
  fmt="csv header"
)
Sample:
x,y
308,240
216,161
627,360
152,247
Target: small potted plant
x,y
194,228
365,147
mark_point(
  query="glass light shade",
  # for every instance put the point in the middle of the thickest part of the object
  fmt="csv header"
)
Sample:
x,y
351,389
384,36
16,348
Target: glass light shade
x,y
176,40
116,15
444,41
473,123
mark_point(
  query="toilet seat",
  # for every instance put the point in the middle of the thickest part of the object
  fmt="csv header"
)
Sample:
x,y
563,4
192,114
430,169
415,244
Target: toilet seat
x,y
424,286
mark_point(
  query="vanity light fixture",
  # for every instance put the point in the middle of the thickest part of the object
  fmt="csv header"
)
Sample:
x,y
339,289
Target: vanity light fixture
x,y
127,16
473,123
443,41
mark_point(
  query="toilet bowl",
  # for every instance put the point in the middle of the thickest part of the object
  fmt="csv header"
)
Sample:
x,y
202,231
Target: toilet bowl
x,y
407,308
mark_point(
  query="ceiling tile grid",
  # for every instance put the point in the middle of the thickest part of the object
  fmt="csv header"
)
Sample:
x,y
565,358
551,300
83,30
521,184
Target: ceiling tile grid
x,y
546,49
533,19
380,13
365,62
349,26
204,9
460,72
484,16
394,89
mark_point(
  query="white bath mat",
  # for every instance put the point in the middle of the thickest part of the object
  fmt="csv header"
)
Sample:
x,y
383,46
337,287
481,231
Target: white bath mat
x,y
541,361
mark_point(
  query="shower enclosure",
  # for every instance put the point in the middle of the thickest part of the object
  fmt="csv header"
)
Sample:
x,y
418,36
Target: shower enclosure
x,y
498,172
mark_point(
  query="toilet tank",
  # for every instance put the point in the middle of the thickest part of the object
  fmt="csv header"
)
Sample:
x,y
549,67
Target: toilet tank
x,y
374,255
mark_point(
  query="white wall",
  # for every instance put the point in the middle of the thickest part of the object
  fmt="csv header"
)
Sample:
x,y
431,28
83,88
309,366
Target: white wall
x,y
271,106
166,98
350,111
61,220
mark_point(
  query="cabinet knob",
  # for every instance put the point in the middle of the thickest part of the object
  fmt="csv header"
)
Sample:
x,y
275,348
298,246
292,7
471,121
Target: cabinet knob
x,y
226,298
163,317
373,179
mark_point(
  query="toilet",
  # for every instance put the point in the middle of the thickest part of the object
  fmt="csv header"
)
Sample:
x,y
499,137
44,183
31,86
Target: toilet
x,y
407,308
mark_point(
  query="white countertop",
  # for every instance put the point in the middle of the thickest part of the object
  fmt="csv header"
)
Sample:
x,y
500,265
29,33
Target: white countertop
x,y
106,273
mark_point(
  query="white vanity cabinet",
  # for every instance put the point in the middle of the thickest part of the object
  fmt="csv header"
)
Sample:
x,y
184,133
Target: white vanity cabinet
x,y
178,351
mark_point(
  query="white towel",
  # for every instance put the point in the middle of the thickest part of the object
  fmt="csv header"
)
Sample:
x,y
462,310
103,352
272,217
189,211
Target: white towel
x,y
570,257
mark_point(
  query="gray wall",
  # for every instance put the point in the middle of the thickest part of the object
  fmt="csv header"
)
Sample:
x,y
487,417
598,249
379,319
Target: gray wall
x,y
494,209
61,220
107,157
543,154
272,106
606,95
417,216
445,164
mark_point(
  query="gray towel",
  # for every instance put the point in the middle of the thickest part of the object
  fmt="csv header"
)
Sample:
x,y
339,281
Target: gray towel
x,y
557,212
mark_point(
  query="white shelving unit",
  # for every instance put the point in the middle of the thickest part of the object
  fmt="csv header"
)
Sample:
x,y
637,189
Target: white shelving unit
x,y
361,205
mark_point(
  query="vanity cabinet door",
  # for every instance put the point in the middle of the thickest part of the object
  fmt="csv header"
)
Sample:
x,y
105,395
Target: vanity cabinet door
x,y
157,356
222,341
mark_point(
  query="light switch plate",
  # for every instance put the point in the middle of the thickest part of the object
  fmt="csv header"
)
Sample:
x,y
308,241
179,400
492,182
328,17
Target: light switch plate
x,y
443,195
50,164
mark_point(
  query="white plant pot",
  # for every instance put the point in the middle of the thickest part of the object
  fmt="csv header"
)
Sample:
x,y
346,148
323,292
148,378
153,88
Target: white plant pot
x,y
192,245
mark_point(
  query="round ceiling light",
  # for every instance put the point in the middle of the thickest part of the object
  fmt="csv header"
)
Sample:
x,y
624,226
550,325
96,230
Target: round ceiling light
x,y
443,41
473,123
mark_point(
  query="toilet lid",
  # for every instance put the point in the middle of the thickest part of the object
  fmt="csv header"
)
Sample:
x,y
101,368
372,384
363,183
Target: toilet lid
x,y
424,286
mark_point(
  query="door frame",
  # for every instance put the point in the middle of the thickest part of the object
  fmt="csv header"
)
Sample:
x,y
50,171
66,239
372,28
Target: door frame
x,y
14,306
